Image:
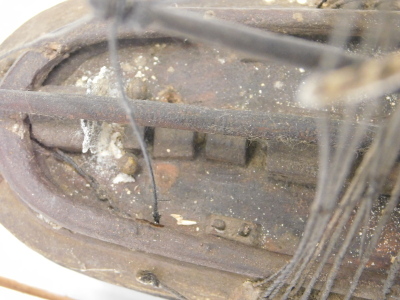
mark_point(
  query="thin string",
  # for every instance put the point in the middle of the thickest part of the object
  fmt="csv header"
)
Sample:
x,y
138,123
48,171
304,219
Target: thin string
x,y
124,102
49,37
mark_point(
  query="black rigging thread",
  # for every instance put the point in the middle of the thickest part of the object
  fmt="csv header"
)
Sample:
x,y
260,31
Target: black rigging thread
x,y
116,11
48,37
60,155
141,14
331,212
191,25
252,42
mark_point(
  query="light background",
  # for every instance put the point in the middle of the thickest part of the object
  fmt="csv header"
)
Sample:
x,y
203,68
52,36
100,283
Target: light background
x,y
17,261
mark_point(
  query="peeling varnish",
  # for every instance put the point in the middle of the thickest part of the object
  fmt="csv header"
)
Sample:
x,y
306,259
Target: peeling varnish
x,y
82,266
99,270
51,223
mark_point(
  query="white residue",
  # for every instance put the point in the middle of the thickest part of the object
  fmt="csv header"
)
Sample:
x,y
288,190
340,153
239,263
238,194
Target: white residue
x,y
90,132
123,178
102,139
19,130
116,148
102,84
109,143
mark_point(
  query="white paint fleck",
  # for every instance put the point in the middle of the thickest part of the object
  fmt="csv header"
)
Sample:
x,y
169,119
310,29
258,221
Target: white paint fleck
x,y
180,221
139,74
18,129
278,85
